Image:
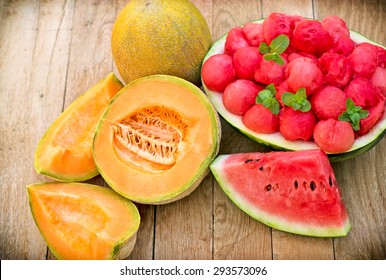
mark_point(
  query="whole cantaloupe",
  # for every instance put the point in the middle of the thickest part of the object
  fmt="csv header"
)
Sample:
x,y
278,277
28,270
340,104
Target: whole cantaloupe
x,y
160,37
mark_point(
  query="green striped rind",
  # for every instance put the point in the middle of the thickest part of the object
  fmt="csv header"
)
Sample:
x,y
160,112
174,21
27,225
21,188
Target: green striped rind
x,y
266,218
275,140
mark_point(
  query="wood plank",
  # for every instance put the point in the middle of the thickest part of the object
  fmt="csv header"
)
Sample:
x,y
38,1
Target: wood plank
x,y
183,229
362,179
236,235
34,41
298,7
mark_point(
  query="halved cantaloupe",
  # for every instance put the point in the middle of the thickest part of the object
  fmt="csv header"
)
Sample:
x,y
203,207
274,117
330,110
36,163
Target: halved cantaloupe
x,y
65,150
156,139
84,221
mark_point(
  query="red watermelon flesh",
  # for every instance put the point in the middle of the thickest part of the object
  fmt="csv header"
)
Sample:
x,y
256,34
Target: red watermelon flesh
x,y
291,191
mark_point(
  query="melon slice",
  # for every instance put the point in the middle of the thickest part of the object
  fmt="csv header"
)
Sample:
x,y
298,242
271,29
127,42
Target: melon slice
x,y
291,191
84,221
156,139
65,150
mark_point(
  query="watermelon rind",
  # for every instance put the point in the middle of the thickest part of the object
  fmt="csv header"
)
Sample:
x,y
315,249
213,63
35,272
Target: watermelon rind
x,y
267,218
276,141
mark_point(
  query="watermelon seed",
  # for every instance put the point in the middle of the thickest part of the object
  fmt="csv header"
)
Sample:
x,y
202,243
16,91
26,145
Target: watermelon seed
x,y
296,184
261,167
257,160
312,185
268,187
330,181
248,160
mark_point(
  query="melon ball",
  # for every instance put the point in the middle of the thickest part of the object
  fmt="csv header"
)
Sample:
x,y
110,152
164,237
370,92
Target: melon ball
x,y
240,95
334,136
336,69
245,62
235,40
328,102
364,59
261,120
303,72
218,72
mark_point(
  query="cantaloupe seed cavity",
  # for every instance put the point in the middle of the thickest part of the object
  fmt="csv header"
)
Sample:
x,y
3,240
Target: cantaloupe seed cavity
x,y
150,139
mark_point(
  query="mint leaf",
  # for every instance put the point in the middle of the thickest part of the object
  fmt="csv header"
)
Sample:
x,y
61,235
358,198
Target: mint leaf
x,y
297,101
353,114
275,49
264,48
279,44
267,98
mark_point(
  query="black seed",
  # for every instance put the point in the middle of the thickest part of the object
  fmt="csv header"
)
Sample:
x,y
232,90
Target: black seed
x,y
257,159
268,187
296,184
312,185
261,167
330,181
248,160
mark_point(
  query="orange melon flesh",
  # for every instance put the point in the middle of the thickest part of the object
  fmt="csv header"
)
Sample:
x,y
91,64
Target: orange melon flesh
x,y
162,180
83,221
65,150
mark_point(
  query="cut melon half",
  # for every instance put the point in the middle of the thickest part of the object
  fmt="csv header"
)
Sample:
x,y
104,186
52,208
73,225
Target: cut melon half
x,y
84,221
276,140
65,150
156,139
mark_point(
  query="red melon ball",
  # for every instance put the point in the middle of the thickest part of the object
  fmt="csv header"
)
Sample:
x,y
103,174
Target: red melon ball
x,y
328,102
303,72
218,72
235,40
296,125
245,62
240,95
311,37
261,120
334,136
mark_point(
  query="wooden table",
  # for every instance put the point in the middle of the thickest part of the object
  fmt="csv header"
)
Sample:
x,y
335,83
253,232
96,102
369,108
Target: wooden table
x,y
52,51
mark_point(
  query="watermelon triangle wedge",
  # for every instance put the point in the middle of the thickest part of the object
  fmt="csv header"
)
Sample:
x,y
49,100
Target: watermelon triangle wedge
x,y
291,191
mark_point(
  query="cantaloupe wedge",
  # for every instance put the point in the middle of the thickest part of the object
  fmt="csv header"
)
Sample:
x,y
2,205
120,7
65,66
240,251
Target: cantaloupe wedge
x,y
84,221
65,151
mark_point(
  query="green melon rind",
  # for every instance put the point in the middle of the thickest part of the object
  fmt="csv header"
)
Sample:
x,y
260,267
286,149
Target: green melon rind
x,y
267,219
203,170
122,248
275,140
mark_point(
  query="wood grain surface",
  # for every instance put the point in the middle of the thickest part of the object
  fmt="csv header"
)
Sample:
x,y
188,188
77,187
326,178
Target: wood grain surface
x,y
53,51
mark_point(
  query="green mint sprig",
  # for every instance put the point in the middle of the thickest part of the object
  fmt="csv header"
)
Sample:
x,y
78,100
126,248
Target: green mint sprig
x,y
275,49
353,114
267,98
297,101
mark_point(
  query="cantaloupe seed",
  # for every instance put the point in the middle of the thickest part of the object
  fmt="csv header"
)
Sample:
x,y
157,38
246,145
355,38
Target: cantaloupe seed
x,y
150,138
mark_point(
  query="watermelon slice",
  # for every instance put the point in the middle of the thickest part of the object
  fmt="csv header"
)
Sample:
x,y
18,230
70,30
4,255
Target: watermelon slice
x,y
291,191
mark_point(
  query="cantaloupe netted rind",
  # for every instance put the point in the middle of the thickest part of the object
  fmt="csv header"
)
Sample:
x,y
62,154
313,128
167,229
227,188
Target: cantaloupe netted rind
x,y
160,37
